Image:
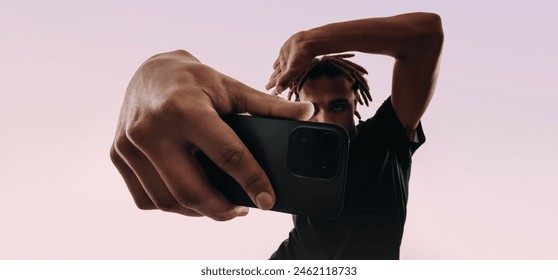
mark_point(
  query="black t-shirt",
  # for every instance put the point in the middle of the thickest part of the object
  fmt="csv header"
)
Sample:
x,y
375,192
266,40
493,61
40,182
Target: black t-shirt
x,y
372,221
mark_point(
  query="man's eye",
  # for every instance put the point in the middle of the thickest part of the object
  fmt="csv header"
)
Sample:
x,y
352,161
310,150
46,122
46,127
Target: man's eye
x,y
338,107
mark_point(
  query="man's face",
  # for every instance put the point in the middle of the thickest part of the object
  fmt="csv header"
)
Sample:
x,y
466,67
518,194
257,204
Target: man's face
x,y
334,101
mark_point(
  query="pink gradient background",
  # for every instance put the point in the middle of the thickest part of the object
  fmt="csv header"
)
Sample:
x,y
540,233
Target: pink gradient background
x,y
484,185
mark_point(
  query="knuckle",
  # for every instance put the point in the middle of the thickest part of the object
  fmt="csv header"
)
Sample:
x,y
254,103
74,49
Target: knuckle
x,y
170,108
121,146
187,199
184,54
166,206
232,156
139,132
181,52
114,156
253,182
162,118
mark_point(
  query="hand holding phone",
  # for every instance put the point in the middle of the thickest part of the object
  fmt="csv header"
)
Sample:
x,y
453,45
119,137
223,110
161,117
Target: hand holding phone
x,y
171,109
306,163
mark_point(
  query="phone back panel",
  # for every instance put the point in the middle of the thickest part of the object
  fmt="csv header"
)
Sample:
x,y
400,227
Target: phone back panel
x,y
269,139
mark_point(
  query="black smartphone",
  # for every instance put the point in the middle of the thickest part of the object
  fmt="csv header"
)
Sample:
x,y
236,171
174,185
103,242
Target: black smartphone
x,y
306,163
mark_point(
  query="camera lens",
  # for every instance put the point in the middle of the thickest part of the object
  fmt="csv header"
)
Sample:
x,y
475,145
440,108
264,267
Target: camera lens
x,y
314,152
329,141
304,136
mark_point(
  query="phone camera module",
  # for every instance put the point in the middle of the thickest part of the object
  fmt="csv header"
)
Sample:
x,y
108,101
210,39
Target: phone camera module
x,y
314,153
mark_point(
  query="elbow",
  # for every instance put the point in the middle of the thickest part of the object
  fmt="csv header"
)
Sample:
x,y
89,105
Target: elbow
x,y
435,30
425,35
430,33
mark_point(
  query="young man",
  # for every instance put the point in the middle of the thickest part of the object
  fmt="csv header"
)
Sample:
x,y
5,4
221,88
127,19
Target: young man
x,y
172,107
371,225
380,158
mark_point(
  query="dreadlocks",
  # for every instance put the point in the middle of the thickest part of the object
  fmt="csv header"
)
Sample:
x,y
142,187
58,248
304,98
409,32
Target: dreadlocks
x,y
333,66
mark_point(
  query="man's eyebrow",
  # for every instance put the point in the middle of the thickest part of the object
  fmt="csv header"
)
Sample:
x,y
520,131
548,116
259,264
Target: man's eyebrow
x,y
340,100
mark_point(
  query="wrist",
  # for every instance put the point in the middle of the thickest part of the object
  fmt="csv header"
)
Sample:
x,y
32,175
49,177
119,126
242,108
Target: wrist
x,y
307,43
321,41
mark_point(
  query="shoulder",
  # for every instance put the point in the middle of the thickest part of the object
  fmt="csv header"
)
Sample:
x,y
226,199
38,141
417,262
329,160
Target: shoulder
x,y
385,118
385,127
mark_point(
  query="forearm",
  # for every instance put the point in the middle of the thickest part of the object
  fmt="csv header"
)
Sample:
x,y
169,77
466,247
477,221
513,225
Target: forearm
x,y
398,36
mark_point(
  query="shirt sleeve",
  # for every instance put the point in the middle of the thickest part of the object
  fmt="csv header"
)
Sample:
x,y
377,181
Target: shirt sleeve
x,y
386,125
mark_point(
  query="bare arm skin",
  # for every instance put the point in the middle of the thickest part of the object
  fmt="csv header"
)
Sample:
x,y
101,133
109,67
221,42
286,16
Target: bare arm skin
x,y
415,41
172,109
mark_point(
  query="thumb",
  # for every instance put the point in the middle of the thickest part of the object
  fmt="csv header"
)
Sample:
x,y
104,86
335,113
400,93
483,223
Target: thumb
x,y
259,103
275,106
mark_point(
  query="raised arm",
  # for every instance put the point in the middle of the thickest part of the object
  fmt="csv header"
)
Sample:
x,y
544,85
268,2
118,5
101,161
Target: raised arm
x,y
414,40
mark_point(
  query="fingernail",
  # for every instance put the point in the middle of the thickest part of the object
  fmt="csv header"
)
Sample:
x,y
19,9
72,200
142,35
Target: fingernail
x,y
242,211
279,89
264,201
309,111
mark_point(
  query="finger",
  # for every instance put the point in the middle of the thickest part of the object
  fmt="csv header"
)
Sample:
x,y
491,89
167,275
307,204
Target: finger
x,y
276,63
272,79
151,182
228,152
271,84
275,73
139,195
283,80
259,103
189,187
